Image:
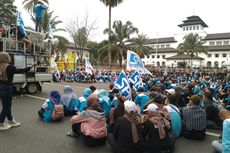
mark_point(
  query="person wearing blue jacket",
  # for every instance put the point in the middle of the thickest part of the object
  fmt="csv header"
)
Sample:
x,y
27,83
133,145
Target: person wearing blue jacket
x,y
104,102
39,14
141,99
48,106
83,100
70,101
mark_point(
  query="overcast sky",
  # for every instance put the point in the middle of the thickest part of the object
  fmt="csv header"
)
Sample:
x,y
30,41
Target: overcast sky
x,y
149,16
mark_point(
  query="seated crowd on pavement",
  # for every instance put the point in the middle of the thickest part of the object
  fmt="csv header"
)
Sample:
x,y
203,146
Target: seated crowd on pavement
x,y
164,108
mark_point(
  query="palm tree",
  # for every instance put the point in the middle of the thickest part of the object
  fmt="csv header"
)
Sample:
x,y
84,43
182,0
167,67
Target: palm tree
x,y
110,4
192,45
29,4
139,46
120,36
7,12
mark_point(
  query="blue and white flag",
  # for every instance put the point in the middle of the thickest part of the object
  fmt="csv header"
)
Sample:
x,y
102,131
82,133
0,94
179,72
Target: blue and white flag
x,y
136,80
50,32
133,61
88,67
20,21
122,85
145,71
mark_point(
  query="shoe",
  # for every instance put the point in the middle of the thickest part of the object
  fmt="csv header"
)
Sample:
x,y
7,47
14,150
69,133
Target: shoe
x,y
72,134
13,123
4,126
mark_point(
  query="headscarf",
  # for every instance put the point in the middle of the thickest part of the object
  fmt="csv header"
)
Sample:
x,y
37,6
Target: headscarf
x,y
159,121
4,62
102,94
68,95
92,103
55,97
86,93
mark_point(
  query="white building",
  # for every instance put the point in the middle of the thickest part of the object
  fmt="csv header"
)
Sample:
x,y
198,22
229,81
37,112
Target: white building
x,y
165,49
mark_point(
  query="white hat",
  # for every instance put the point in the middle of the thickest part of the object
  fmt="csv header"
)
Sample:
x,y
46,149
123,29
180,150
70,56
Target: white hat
x,y
171,91
129,106
151,107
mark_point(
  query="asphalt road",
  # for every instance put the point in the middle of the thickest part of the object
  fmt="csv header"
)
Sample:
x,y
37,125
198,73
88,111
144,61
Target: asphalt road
x,y
36,136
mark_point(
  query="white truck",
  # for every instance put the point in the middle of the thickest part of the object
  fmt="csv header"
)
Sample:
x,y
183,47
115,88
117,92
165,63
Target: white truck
x,y
32,81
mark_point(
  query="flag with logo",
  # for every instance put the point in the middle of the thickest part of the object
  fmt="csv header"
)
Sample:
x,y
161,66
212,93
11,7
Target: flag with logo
x,y
20,24
122,84
136,80
133,61
145,71
88,67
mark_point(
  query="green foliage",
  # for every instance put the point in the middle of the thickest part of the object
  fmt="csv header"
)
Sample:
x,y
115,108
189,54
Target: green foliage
x,y
29,4
7,12
112,3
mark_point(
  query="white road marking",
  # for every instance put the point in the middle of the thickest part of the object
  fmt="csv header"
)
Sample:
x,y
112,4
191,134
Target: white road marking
x,y
35,97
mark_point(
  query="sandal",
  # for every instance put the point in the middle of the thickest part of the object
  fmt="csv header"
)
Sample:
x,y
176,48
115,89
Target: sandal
x,y
72,134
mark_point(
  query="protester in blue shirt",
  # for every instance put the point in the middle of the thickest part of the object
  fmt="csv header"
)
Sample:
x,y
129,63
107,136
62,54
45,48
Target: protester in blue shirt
x,y
83,103
142,98
104,102
39,10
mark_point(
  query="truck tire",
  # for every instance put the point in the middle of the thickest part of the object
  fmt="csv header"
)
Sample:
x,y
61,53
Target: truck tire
x,y
31,88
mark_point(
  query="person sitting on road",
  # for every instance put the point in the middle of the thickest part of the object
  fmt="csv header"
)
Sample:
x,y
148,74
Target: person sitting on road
x,y
141,99
223,146
70,101
90,124
175,115
47,112
104,102
156,131
194,119
126,137
83,100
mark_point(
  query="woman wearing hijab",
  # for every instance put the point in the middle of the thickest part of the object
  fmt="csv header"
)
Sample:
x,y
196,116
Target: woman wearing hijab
x,y
46,112
126,137
90,124
156,131
104,102
7,72
83,100
70,101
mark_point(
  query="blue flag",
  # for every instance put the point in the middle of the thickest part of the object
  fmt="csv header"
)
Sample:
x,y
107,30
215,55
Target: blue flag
x,y
122,84
19,20
133,61
136,80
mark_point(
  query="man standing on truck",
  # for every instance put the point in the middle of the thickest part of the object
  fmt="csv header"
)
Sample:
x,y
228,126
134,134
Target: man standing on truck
x,y
39,11
7,72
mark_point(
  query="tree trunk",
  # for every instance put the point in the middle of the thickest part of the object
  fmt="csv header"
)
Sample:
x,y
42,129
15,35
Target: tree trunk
x,y
191,60
109,44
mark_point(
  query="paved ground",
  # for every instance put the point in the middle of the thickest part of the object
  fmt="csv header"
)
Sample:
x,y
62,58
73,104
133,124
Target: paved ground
x,y
35,136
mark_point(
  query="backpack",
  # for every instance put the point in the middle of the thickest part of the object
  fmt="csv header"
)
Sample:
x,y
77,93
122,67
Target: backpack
x,y
58,112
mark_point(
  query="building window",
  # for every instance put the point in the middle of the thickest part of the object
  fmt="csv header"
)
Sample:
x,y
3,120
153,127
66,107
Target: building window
x,y
183,28
219,43
157,46
226,42
216,64
167,45
162,46
194,28
163,56
209,55
158,56
152,46
197,27
224,55
153,56
190,28
158,63
186,28
216,55
211,43
209,64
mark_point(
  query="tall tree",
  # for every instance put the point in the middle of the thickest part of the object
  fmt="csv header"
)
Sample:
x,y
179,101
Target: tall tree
x,y
192,45
80,33
110,4
120,37
29,4
7,12
139,45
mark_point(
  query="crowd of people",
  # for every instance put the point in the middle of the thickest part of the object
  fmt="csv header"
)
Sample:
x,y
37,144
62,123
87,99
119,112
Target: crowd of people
x,y
165,107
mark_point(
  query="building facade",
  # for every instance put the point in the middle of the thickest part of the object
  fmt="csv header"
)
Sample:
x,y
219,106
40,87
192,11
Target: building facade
x,y
164,51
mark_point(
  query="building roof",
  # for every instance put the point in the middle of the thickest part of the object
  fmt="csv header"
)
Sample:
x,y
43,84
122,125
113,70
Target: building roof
x,y
219,48
217,36
183,56
164,50
193,20
161,40
72,45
